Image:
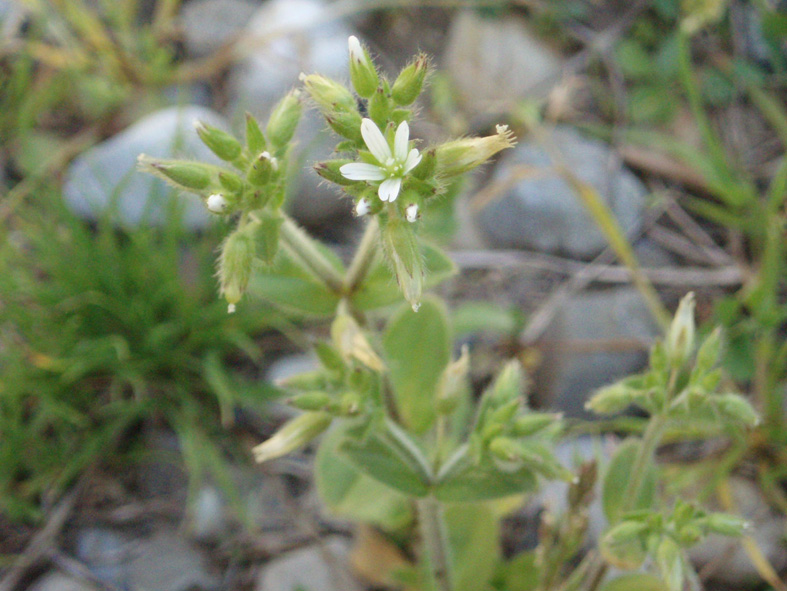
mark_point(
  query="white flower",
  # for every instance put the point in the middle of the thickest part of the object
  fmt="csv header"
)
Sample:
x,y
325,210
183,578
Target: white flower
x,y
391,167
411,212
216,203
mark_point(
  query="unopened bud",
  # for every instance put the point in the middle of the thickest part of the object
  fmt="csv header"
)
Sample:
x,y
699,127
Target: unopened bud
x,y
410,82
266,233
255,141
235,264
411,213
231,181
403,253
611,399
217,203
192,176
362,207
346,124
220,142
460,156
453,383
310,401
380,107
352,343
531,423
362,72
284,119
624,545
294,434
330,96
262,169
736,409
680,338
726,524
329,170
508,384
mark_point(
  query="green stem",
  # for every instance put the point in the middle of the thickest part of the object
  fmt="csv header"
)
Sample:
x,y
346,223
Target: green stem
x,y
435,538
362,260
307,252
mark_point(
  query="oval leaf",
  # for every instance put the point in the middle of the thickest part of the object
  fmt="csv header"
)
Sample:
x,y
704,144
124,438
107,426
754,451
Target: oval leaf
x,y
616,481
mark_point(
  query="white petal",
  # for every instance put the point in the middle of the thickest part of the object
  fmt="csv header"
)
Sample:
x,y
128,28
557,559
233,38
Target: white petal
x,y
362,207
360,171
389,189
356,51
400,141
413,158
411,213
375,141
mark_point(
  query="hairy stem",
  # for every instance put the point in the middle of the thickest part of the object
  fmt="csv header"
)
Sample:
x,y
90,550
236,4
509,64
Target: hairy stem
x,y
435,538
307,252
363,257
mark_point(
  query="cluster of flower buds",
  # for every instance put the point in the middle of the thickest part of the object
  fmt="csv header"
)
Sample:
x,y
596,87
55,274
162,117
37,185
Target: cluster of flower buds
x,y
511,435
680,384
254,186
382,170
664,537
341,387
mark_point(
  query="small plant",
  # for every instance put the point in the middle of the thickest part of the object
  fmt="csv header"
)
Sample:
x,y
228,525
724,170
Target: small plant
x,y
404,439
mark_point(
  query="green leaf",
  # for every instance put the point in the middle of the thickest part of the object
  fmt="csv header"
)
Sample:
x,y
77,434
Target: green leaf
x,y
520,573
635,582
616,481
389,455
417,348
480,316
379,287
473,533
293,288
464,480
348,492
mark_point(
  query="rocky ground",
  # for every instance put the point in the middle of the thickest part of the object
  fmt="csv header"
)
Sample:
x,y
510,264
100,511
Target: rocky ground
x,y
524,241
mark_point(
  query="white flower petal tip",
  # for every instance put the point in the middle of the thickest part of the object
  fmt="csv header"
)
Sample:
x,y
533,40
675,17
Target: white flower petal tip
x,y
411,213
413,158
356,51
302,76
217,203
362,207
389,189
231,309
375,141
401,140
416,306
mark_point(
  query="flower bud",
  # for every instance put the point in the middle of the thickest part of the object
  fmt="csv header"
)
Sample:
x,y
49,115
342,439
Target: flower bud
x,y
680,338
310,401
726,524
736,409
380,107
217,203
453,383
220,142
294,434
505,452
331,97
231,181
362,207
192,176
346,124
401,249
267,225
531,423
611,399
255,141
352,343
362,72
459,156
262,169
410,82
329,170
284,119
411,213
235,264
508,384
669,558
